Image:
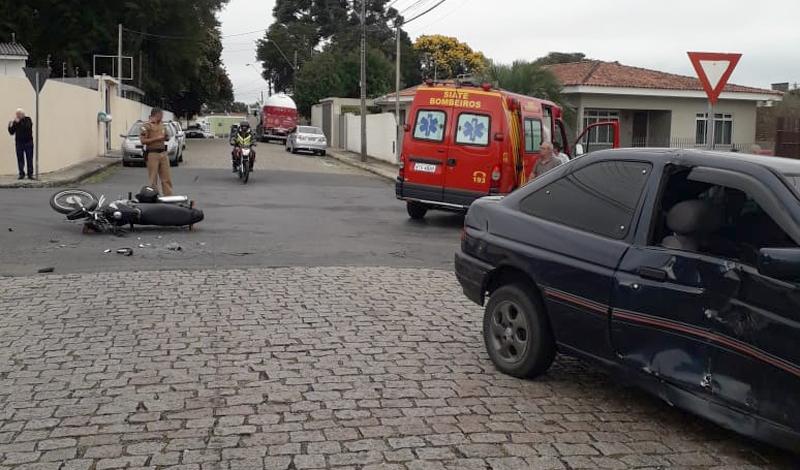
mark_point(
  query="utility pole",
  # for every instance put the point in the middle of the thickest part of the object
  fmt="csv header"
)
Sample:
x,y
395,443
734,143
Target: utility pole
x,y
63,70
363,80
399,130
140,70
294,74
119,59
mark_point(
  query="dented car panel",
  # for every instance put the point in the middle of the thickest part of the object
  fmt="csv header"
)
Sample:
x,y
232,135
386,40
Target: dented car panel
x,y
708,319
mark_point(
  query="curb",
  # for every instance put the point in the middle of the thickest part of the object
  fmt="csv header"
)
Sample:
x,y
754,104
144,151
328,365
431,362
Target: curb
x,y
64,180
362,166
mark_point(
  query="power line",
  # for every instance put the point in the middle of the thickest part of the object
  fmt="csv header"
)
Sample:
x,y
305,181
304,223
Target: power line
x,y
426,11
188,38
446,15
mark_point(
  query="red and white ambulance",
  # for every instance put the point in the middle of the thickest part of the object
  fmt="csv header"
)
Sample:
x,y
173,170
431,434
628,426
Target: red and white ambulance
x,y
464,142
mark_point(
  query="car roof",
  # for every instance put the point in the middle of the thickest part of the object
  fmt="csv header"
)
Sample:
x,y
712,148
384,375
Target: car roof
x,y
708,157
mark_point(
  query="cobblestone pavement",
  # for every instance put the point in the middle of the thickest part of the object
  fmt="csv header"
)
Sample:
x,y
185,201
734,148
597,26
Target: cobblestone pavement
x,y
347,368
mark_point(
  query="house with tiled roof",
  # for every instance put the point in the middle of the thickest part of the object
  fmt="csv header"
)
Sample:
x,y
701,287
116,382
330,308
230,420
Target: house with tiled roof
x,y
13,58
657,109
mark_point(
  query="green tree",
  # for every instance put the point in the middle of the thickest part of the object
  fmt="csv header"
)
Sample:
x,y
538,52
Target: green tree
x,y
180,45
561,58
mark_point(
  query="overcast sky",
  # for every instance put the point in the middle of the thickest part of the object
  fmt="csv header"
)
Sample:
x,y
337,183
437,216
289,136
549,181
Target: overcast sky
x,y
644,33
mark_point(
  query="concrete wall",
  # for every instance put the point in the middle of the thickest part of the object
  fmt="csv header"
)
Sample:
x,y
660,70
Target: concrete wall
x,y
68,129
381,135
12,67
683,112
316,115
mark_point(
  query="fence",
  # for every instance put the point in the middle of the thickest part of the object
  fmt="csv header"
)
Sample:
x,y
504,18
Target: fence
x,y
69,131
787,137
761,147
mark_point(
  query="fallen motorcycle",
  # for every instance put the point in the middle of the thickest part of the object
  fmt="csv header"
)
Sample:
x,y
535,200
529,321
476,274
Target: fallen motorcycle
x,y
146,208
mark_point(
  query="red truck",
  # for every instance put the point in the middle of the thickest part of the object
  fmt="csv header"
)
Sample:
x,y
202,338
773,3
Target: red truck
x,y
278,118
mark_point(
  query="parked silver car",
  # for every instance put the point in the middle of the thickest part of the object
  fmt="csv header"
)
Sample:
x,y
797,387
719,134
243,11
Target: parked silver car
x,y
132,146
307,138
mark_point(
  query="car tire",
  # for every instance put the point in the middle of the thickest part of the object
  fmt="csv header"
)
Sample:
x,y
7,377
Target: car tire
x,y
416,210
322,153
294,150
125,163
517,334
174,162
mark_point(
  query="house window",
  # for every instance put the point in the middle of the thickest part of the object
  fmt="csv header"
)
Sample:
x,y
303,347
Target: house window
x,y
602,134
723,129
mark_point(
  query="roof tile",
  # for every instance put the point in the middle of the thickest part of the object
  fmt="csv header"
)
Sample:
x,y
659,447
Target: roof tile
x,y
614,74
12,48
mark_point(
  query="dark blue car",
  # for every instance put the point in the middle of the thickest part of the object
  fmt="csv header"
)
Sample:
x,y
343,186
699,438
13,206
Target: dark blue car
x,y
679,270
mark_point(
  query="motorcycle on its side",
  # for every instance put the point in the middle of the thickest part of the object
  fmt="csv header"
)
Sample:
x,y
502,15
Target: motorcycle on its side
x,y
146,208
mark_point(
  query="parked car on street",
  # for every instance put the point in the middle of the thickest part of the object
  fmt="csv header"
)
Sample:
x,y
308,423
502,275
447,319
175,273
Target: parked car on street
x,y
198,133
307,138
180,135
132,146
678,270
465,141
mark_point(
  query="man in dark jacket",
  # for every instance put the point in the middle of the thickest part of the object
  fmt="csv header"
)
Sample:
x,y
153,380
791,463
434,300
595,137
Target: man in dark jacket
x,y
22,130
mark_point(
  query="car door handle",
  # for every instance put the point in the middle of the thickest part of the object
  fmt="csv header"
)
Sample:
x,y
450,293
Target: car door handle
x,y
654,274
451,162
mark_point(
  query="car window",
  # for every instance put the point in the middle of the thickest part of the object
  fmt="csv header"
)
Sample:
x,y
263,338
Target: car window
x,y
309,130
600,198
473,129
136,129
533,135
430,125
740,229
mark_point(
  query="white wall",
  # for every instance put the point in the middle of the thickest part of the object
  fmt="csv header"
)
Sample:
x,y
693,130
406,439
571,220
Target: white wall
x,y
68,129
381,135
12,67
316,115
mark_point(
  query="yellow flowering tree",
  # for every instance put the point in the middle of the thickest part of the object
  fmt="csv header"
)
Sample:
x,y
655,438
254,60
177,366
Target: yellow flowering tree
x,y
444,57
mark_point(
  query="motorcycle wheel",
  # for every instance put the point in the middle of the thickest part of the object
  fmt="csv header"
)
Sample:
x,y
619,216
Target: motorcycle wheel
x,y
245,171
67,200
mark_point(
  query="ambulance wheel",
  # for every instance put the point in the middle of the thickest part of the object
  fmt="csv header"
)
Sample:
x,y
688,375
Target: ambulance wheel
x,y
416,210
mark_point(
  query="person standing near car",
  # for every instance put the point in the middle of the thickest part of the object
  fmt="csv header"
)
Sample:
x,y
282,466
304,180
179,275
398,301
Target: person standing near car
x,y
22,130
547,161
154,137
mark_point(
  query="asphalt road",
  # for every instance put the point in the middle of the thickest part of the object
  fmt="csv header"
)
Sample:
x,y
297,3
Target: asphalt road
x,y
297,210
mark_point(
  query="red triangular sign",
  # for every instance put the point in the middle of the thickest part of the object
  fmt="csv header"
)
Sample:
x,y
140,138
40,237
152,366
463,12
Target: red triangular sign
x,y
714,69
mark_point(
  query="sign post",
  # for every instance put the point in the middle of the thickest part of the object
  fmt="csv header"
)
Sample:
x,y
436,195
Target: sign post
x,y
714,69
37,76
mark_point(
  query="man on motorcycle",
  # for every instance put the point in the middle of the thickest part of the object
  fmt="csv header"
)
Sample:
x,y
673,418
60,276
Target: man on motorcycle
x,y
244,138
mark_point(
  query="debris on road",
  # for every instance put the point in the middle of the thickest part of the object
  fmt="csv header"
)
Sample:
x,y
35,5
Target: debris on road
x,y
174,246
10,229
125,251
108,250
46,270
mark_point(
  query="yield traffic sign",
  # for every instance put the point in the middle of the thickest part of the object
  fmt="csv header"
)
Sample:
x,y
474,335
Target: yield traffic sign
x,y
714,69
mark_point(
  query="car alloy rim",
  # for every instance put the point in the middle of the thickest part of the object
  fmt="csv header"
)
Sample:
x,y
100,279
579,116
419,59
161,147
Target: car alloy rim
x,y
509,332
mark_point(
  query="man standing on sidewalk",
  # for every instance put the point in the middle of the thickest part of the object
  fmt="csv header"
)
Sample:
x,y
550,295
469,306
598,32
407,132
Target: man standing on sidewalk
x,y
154,137
22,130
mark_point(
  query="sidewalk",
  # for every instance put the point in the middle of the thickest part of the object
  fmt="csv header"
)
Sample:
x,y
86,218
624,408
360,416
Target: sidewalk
x,y
64,177
378,167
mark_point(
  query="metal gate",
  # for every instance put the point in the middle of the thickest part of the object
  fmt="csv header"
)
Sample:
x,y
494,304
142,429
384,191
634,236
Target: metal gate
x,y
327,111
787,137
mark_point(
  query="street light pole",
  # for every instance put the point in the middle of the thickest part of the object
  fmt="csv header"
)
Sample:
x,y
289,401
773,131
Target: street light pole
x,y
399,130
363,80
119,59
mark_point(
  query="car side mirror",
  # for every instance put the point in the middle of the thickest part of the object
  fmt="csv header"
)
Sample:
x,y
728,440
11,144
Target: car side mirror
x,y
579,150
780,263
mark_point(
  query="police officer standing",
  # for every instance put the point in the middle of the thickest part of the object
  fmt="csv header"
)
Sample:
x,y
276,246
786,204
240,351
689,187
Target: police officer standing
x,y
154,137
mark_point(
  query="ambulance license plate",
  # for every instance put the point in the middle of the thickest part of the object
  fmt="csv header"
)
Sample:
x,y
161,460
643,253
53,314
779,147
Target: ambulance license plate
x,y
425,167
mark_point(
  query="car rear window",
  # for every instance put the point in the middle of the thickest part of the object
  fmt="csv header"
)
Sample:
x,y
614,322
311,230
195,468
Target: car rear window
x,y
600,198
430,125
473,129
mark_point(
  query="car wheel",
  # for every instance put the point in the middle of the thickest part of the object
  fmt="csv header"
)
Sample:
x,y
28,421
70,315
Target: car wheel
x,y
124,163
517,333
322,153
416,210
294,150
174,162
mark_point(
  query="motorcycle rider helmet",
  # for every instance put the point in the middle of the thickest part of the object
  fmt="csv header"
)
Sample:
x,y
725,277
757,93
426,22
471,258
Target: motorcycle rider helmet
x,y
244,127
147,195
